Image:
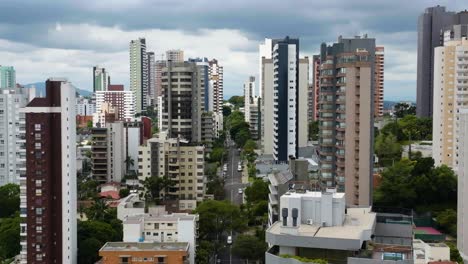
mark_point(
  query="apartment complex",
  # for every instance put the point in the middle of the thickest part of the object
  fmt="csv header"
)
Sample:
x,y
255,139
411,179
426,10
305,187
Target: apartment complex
x,y
108,152
151,77
176,227
101,79
122,101
85,106
462,210
12,135
175,55
317,225
48,210
251,107
450,95
183,99
346,117
313,110
379,81
181,162
139,73
284,76
431,26
216,81
142,253
7,77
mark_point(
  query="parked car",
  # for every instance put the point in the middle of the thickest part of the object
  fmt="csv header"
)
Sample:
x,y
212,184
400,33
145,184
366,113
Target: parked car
x,y
229,240
241,191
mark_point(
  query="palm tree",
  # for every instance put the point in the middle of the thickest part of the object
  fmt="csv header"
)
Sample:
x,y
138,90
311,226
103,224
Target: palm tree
x,y
129,162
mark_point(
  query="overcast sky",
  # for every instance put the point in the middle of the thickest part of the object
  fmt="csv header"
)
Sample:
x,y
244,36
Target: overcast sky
x,y
67,38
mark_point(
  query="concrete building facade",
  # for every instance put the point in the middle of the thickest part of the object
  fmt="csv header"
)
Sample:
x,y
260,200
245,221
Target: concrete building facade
x,y
181,162
346,118
175,55
431,26
49,227
462,205
176,227
142,253
183,100
450,95
85,106
101,79
285,112
379,81
139,73
151,78
12,135
314,89
123,102
7,77
216,77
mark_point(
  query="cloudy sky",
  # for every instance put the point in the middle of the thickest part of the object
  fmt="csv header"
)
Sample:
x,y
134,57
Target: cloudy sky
x,y
43,38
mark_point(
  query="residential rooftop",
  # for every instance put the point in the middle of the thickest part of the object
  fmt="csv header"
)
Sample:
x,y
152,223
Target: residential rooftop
x,y
357,221
135,219
145,246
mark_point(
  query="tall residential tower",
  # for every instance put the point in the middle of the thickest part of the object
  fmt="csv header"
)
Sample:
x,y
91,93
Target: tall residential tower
x,y
346,117
139,73
7,77
431,25
49,226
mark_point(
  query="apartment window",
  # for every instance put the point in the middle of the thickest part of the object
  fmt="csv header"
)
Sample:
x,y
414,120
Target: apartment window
x,y
38,183
38,192
37,145
37,127
38,229
37,136
39,211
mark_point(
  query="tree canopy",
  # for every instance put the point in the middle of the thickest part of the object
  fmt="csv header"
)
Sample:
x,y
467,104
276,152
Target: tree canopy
x,y
404,109
249,247
387,149
10,200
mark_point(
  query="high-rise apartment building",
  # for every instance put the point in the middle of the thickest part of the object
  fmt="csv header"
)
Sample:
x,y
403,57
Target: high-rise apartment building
x,y
175,55
151,77
123,101
216,81
314,89
266,124
12,135
159,64
101,79
251,107
49,230
379,81
346,116
7,77
462,211
450,95
139,73
181,162
290,81
108,152
183,100
431,26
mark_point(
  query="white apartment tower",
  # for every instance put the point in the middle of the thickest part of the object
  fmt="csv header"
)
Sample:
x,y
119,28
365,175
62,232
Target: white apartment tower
x,y
462,221
216,82
12,135
139,73
175,55
285,77
450,95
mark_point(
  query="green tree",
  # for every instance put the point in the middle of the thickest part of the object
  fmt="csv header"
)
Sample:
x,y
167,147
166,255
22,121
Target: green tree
x,y
10,200
249,247
89,124
92,235
447,221
313,130
89,250
394,189
257,191
217,217
387,149
226,111
404,109
217,154
9,237
124,192
157,187
237,101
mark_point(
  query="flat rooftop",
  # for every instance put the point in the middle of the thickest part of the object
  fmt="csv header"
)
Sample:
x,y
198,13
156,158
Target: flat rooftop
x,y
135,219
143,246
309,194
357,220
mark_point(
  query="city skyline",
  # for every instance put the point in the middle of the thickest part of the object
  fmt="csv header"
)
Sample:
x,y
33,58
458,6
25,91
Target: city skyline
x,y
233,39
